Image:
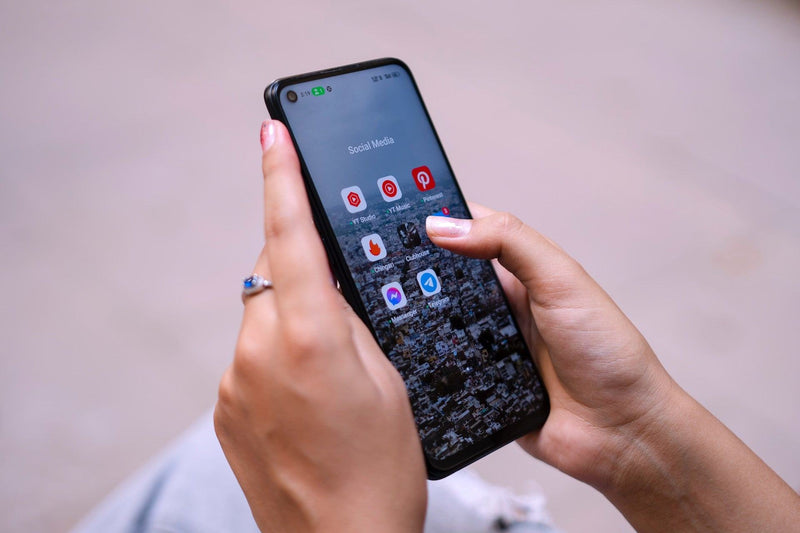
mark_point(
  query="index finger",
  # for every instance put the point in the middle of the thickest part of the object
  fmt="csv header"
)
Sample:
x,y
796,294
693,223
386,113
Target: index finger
x,y
299,265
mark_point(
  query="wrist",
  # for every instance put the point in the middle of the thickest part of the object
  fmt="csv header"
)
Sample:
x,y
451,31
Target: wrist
x,y
642,451
348,515
685,471
651,459
365,508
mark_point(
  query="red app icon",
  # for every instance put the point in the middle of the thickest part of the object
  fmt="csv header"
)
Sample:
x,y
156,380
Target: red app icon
x,y
353,199
423,178
389,189
373,247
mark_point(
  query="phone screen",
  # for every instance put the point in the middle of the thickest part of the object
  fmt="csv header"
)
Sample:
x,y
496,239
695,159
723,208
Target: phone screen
x,y
442,319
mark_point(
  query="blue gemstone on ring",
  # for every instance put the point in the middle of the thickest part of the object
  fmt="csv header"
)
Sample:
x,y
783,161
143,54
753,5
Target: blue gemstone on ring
x,y
254,284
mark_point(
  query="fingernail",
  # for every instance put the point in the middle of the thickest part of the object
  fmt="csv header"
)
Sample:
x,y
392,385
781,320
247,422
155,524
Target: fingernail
x,y
267,135
447,227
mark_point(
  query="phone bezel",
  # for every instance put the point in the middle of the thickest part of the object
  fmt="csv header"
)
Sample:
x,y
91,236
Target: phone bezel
x,y
436,469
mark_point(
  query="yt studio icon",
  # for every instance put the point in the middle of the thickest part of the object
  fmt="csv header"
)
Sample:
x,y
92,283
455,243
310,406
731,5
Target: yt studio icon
x,y
393,295
354,199
389,189
423,178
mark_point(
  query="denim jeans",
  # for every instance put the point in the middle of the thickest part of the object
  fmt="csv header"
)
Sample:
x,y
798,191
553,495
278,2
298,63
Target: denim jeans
x,y
190,488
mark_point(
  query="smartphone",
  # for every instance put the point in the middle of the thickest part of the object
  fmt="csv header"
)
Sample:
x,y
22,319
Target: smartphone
x,y
374,169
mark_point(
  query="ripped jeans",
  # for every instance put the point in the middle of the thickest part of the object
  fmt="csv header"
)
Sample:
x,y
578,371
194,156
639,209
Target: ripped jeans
x,y
190,488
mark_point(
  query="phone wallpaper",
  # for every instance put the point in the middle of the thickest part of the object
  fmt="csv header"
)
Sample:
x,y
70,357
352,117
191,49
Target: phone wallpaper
x,y
441,318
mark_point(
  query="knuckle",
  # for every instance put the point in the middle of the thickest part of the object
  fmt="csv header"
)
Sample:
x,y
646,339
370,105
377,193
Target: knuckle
x,y
227,407
249,355
278,222
224,426
303,336
226,392
220,423
508,223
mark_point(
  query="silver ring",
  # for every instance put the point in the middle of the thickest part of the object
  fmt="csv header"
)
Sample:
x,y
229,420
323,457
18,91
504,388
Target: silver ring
x,y
254,284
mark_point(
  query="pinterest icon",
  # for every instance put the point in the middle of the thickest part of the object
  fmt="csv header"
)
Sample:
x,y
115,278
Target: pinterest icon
x,y
389,189
423,178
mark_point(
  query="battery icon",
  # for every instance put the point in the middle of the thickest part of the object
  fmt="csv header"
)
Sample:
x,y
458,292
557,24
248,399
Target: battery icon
x,y
318,91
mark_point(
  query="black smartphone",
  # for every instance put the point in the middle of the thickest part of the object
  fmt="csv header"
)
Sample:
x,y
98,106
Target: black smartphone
x,y
374,169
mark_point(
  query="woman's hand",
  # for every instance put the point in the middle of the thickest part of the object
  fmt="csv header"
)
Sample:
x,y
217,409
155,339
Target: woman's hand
x,y
312,417
603,379
618,421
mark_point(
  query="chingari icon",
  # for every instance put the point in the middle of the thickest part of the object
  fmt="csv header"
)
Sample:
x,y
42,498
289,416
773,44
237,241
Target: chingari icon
x,y
423,178
373,247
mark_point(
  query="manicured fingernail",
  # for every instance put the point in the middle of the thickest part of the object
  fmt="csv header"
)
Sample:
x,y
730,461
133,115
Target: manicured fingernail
x,y
447,227
267,135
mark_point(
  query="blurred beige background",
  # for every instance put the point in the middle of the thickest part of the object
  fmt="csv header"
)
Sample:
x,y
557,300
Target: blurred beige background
x,y
658,142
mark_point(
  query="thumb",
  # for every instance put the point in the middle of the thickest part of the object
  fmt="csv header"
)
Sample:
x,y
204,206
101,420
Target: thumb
x,y
551,276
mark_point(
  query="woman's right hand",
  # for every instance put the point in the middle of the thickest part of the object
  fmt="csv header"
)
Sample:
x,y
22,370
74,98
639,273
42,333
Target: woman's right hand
x,y
618,421
313,418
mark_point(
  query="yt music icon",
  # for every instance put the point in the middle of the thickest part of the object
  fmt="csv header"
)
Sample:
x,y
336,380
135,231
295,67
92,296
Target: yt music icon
x,y
423,178
354,199
393,295
389,189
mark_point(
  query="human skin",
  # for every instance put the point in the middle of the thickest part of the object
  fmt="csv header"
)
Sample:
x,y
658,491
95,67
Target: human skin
x,y
317,426
313,419
618,421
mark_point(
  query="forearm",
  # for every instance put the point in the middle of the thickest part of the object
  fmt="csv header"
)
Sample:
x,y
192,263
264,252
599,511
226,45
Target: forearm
x,y
688,472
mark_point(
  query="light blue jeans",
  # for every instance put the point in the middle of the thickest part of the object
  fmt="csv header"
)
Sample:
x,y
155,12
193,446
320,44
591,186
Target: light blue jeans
x,y
191,489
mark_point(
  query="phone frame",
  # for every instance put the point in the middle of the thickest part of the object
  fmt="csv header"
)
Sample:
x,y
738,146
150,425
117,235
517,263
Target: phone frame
x,y
436,469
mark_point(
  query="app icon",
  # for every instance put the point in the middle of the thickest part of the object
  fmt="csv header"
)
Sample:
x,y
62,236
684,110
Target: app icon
x,y
443,212
428,282
389,189
409,235
373,247
423,178
393,295
354,199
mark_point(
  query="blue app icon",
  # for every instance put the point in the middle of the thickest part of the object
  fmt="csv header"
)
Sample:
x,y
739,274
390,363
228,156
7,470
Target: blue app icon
x,y
429,282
